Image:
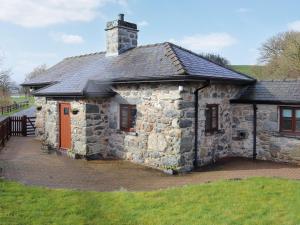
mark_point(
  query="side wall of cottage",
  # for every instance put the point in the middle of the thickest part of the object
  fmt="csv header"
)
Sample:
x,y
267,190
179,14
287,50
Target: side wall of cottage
x,y
40,103
271,144
212,147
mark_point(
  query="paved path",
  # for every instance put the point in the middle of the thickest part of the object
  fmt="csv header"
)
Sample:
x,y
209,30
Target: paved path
x,y
22,160
30,112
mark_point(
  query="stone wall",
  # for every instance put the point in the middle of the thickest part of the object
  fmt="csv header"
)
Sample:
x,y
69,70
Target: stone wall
x,y
88,126
159,132
120,39
217,145
271,144
40,103
50,136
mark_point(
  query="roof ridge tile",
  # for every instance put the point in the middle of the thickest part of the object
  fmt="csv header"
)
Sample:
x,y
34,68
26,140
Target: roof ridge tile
x,y
84,55
171,54
201,56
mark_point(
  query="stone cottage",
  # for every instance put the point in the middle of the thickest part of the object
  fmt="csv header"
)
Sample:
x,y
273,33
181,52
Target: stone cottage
x,y
162,106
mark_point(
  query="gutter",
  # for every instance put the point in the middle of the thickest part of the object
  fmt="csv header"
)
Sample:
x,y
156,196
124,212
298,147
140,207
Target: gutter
x,y
196,93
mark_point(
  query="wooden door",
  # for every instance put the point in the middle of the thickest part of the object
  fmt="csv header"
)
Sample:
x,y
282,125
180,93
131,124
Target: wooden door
x,y
65,125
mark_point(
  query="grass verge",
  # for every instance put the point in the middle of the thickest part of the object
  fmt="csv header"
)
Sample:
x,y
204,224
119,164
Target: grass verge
x,y
250,201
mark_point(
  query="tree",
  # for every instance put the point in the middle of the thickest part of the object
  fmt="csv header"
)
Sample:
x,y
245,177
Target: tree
x,y
216,59
37,71
281,55
5,80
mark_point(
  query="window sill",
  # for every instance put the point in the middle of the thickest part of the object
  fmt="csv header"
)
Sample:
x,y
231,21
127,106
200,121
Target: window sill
x,y
288,135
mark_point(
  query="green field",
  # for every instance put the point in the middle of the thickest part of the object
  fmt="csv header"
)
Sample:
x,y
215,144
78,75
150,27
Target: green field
x,y
252,70
251,201
18,100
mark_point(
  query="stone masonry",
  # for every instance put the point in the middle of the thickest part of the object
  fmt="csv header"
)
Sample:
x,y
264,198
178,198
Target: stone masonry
x,y
120,36
164,132
159,139
271,144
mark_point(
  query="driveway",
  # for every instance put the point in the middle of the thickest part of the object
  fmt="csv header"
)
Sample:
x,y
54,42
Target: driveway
x,y
22,160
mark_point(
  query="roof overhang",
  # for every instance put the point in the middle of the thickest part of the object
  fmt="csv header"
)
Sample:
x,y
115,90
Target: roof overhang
x,y
265,102
175,78
42,84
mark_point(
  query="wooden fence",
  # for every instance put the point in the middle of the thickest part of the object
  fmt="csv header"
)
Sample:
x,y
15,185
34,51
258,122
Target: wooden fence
x,y
12,107
4,131
16,126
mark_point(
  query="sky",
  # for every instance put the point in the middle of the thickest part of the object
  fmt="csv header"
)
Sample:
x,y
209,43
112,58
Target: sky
x,y
35,32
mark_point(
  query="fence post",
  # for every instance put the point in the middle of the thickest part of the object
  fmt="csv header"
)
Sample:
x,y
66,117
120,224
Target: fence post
x,y
24,126
9,126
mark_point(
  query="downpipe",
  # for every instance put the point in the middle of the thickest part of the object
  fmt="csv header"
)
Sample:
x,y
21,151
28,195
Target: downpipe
x,y
196,104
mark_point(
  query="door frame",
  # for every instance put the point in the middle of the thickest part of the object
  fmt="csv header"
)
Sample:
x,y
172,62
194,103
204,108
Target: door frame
x,y
59,124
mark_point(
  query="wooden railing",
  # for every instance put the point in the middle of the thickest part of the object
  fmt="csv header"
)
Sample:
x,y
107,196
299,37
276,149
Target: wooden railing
x,y
16,126
12,107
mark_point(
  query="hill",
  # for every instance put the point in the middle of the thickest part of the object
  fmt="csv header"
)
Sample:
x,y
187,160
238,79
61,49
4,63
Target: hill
x,y
252,70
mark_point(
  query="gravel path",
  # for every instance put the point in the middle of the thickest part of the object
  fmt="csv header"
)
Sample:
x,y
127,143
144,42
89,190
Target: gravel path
x,y
23,161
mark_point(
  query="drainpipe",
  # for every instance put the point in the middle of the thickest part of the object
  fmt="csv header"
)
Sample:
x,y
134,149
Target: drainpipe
x,y
254,130
196,93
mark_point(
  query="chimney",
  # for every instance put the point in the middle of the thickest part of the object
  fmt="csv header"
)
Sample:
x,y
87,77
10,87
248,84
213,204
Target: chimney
x,y
120,36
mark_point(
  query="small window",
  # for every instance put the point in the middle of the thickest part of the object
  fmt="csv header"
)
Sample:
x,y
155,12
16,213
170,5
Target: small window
x,y
290,119
127,117
66,111
211,118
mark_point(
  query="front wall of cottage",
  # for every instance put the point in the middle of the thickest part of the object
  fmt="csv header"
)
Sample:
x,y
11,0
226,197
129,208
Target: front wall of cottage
x,y
159,129
271,144
88,126
164,131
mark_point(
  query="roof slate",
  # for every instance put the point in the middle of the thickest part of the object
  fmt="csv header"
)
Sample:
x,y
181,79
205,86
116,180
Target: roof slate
x,y
285,91
149,62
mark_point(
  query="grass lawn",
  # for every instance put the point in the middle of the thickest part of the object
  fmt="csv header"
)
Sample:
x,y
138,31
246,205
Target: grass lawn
x,y
251,201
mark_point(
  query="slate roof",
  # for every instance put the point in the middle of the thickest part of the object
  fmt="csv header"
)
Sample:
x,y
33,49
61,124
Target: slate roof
x,y
143,63
281,91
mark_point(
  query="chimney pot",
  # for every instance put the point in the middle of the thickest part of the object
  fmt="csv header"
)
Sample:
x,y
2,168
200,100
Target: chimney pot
x,y
121,16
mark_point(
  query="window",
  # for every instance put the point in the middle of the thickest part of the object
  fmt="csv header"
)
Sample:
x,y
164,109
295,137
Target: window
x,y
127,117
211,116
290,119
66,111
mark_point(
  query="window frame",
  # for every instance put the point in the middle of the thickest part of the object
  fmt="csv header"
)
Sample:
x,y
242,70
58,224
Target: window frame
x,y
293,120
212,129
129,117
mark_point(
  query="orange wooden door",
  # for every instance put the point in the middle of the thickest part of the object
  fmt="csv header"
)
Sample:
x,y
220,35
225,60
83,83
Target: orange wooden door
x,y
65,125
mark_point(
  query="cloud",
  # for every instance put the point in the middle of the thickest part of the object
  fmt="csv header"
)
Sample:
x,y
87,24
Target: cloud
x,y
294,25
36,13
206,43
23,62
243,10
143,23
67,38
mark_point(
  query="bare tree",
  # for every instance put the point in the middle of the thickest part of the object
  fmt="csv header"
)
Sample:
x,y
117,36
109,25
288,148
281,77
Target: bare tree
x,y
281,55
5,80
37,71
216,59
